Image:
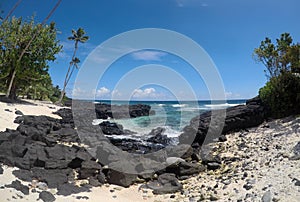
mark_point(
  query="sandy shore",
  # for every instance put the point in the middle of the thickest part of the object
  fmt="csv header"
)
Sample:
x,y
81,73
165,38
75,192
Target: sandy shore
x,y
106,193
257,167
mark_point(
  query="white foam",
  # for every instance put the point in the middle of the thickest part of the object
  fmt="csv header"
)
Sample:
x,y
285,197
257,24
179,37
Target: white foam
x,y
179,105
221,106
98,121
171,132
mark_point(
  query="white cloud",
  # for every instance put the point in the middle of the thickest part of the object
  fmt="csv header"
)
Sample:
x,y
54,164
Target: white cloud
x,y
146,93
103,92
190,3
116,94
231,95
148,55
78,92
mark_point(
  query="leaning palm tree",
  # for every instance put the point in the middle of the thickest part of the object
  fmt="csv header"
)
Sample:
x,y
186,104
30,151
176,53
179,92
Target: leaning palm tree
x,y
77,36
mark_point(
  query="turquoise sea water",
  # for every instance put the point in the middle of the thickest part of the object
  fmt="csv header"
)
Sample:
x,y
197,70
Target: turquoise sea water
x,y
171,115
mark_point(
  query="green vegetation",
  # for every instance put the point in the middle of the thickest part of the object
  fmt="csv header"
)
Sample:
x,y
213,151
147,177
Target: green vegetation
x,y
77,36
279,57
282,92
24,59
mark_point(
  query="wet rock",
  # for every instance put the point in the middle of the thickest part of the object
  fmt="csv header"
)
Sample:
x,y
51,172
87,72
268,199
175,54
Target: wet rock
x,y
46,196
158,137
19,186
109,128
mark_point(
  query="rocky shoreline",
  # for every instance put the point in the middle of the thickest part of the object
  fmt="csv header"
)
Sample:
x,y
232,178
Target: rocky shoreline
x,y
48,151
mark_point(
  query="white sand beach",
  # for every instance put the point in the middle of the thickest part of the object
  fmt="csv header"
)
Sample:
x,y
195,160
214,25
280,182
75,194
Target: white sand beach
x,y
108,193
262,168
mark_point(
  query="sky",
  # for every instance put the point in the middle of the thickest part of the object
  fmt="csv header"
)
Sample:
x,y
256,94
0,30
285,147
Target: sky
x,y
227,30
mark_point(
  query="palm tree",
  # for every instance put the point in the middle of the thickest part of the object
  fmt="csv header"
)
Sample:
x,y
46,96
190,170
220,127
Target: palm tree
x,y
74,63
77,36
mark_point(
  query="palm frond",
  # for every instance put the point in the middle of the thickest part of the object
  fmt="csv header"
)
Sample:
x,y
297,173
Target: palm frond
x,y
71,38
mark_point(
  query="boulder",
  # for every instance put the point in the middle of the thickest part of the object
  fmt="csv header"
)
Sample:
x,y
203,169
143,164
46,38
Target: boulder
x,y
18,112
166,183
157,137
19,186
89,169
54,178
237,118
109,128
67,189
46,196
184,168
121,173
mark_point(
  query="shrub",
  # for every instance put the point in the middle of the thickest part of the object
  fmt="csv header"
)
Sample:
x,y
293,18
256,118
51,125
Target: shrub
x,y
282,95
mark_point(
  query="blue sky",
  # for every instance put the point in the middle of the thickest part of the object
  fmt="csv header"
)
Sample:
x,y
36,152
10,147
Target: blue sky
x,y
228,30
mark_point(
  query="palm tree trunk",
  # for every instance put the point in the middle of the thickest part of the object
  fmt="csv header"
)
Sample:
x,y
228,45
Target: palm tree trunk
x,y
68,76
12,10
8,92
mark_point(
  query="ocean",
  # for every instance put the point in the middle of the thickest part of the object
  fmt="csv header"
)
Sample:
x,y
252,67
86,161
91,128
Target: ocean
x,y
173,116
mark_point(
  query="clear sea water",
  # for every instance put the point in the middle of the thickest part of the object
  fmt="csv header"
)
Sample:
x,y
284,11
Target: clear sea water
x,y
171,115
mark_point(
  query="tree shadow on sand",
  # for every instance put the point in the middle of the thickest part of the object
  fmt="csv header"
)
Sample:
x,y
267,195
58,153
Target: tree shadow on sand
x,y
14,101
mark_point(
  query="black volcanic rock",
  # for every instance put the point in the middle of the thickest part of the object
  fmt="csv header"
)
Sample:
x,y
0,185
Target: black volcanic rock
x,y
67,189
121,173
46,196
18,112
103,111
19,186
34,148
166,183
157,137
237,118
183,168
109,128
66,115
